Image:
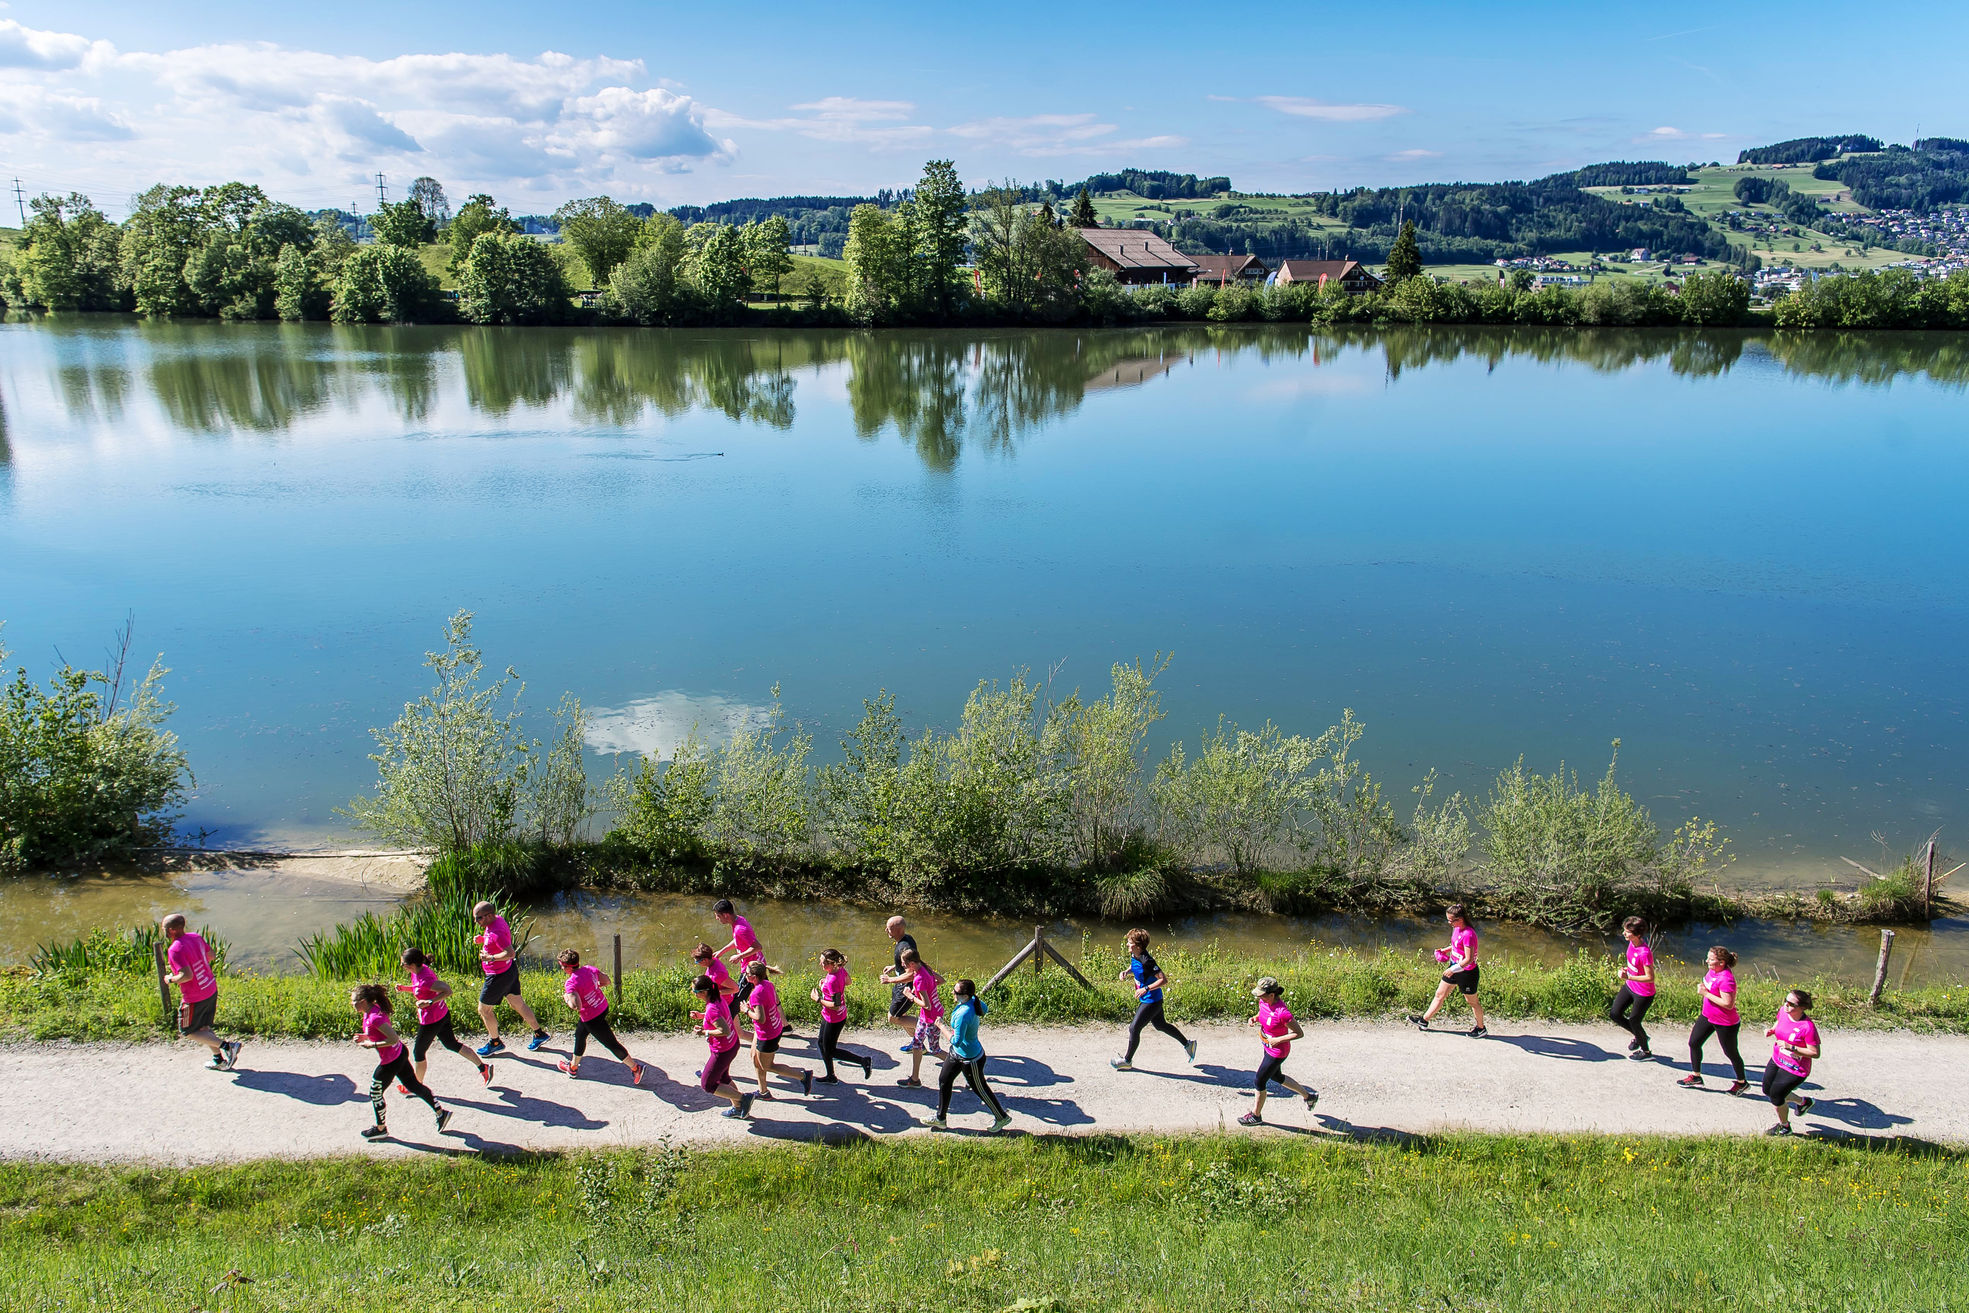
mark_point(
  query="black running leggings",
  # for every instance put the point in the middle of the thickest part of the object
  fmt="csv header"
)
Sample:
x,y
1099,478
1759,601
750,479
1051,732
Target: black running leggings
x,y
440,1031
1149,1014
1628,1010
973,1070
1725,1035
1779,1083
602,1031
831,1047
398,1069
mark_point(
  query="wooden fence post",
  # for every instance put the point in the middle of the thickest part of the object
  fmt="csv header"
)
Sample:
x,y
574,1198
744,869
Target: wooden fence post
x,y
618,970
1880,971
163,989
1038,950
1928,883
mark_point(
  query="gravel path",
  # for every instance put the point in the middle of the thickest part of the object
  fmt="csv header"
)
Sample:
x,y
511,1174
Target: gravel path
x,y
156,1102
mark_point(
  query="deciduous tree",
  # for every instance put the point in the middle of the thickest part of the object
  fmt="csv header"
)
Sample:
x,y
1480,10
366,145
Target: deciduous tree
x,y
601,232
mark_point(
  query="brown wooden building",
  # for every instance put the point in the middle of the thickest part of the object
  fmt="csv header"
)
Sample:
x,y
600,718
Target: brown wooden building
x,y
1350,274
1219,270
1136,257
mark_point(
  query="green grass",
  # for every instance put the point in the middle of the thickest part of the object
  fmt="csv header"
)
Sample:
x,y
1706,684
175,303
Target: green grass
x,y
1471,1223
1323,985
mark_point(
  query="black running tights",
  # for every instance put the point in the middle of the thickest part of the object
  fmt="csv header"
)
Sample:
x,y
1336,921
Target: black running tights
x,y
397,1069
1725,1035
1146,1015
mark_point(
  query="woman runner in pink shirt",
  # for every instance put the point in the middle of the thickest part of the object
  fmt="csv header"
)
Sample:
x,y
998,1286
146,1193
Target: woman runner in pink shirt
x,y
586,990
1461,971
832,995
722,1039
1276,1031
768,1023
1637,988
372,1004
925,991
1797,1043
433,1017
710,964
1719,1018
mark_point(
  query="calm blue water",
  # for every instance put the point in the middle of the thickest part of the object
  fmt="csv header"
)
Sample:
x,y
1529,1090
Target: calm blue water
x,y
1744,558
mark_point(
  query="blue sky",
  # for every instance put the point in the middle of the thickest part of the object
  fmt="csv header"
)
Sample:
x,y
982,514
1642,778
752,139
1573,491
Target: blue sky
x,y
674,103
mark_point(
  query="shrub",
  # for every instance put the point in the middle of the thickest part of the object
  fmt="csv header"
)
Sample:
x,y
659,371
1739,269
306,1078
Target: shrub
x,y
510,279
762,816
559,802
1195,302
666,807
1101,746
86,774
1233,304
1241,797
383,285
1105,299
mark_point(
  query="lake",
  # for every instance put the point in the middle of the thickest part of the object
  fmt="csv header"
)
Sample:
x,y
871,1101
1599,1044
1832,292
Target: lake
x,y
1742,555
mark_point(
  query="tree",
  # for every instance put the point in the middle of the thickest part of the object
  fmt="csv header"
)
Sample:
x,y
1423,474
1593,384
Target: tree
x,y
1404,257
403,224
477,216
1717,298
158,238
717,267
766,256
67,256
650,287
429,196
601,232
1026,263
1083,211
941,222
299,292
877,255
509,279
381,285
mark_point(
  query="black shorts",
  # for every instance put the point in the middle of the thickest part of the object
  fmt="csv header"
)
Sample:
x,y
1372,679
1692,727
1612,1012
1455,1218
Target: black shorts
x,y
1780,1084
497,989
440,1031
899,1004
1465,980
200,1015
767,1045
1271,1069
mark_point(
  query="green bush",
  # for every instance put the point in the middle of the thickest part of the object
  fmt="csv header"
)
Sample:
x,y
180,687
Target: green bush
x,y
130,952
511,279
439,923
384,284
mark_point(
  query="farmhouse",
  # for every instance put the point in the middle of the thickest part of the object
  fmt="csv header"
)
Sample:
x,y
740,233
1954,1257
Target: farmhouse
x,y
1218,270
1352,275
1134,256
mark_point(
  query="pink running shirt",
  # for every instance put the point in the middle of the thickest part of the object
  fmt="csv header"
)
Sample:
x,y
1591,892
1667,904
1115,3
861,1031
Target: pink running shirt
x,y
584,992
372,1030
1273,1025
189,957
424,989
764,999
1639,958
721,976
748,943
1794,1032
498,938
715,1010
834,985
1719,982
927,985
1462,947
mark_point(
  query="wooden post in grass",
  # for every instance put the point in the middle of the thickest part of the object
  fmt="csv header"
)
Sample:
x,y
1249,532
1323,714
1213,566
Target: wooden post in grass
x,y
618,971
163,989
1928,883
1880,971
1038,950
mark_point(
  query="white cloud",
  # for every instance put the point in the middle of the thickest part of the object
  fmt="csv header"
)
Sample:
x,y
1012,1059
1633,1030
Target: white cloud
x,y
1042,135
59,116
1677,134
647,127
27,47
844,119
1415,153
1329,112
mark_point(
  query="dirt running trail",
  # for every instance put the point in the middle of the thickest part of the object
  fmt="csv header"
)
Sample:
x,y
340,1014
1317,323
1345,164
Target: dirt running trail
x,y
157,1103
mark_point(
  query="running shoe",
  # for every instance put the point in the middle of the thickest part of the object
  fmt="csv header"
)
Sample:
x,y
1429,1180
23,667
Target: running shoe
x,y
1000,1122
868,1068
1189,1047
444,1119
908,1048
1691,1082
231,1048
1779,1129
1802,1106
375,1132
1739,1086
572,1070
539,1037
935,1123
910,1082
485,1073
1641,1055
1121,1064
827,1080
1477,1032
745,1105
490,1047
731,1112
635,1073
402,1088
1418,1020
1633,1044
806,1082
215,1063
1251,1119
1312,1099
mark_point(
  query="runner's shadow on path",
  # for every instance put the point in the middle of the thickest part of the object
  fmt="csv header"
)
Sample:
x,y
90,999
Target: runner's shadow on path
x,y
1027,1073
321,1091
511,1103
1553,1046
1858,1113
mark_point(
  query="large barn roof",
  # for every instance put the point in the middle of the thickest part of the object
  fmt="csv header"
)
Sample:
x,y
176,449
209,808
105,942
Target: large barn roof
x,y
1132,248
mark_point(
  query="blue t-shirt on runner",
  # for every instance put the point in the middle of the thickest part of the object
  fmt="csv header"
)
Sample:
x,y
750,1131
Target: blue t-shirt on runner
x,y
1146,974
964,1029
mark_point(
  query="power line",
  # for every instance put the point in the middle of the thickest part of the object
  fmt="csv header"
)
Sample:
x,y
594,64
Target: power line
x,y
382,193
20,202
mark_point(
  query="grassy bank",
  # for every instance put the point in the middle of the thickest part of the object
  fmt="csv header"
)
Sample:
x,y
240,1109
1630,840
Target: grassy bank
x,y
1209,985
1470,1223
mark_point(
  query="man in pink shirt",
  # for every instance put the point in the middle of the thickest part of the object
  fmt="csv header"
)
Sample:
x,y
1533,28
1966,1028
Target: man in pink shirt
x,y
499,959
188,965
744,946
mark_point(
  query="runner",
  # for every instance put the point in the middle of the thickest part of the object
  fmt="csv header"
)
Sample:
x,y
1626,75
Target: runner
x,y
586,990
1719,1018
966,1055
1149,984
743,943
898,980
1797,1043
433,1017
1276,1031
832,995
501,964
710,964
1461,957
768,1023
722,1038
924,990
188,965
372,1004
1637,989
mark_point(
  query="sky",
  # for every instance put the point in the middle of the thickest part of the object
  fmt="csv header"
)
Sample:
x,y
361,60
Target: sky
x,y
672,103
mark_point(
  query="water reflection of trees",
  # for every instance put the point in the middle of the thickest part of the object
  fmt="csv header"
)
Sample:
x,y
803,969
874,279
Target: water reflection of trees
x,y
941,392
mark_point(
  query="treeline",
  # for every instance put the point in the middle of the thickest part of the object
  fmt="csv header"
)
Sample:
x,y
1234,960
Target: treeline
x,y
1623,173
1902,179
1807,150
1891,298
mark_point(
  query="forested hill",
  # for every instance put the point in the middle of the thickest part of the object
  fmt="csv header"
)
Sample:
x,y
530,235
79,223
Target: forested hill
x,y
1935,172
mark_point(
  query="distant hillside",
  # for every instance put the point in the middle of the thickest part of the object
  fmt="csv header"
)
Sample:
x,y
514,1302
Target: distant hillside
x,y
1624,173
1807,150
1903,179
